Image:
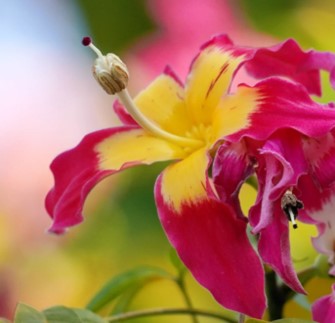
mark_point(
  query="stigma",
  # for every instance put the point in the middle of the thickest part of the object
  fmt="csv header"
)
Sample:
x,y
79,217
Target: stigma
x,y
290,206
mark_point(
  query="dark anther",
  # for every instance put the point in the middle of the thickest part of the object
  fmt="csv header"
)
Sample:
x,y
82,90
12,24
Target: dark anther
x,y
290,205
86,41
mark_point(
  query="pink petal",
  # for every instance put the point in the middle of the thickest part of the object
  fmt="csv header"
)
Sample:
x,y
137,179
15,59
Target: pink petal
x,y
285,59
280,164
323,309
286,105
231,168
98,155
123,114
212,242
274,248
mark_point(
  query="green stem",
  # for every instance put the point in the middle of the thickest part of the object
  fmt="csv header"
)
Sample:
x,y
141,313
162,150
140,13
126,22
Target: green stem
x,y
276,298
181,283
241,318
167,311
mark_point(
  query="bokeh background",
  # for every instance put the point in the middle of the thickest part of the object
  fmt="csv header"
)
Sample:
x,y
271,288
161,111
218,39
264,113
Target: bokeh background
x,y
49,101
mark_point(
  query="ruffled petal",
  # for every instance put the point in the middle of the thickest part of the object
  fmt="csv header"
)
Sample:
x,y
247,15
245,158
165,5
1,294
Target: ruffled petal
x,y
285,59
280,165
209,78
323,310
209,238
283,105
320,153
98,155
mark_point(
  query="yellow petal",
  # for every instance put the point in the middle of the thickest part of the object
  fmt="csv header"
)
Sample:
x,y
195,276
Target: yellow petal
x,y
135,147
163,102
233,111
185,182
209,79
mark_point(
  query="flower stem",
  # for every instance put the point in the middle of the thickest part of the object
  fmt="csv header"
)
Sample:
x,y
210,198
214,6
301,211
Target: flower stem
x,y
276,298
167,311
181,283
241,318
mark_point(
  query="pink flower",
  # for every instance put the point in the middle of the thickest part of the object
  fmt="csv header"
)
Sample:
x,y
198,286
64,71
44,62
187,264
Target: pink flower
x,y
186,123
323,309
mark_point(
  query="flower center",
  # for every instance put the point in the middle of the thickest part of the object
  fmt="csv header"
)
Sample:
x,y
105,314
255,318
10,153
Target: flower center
x,y
112,74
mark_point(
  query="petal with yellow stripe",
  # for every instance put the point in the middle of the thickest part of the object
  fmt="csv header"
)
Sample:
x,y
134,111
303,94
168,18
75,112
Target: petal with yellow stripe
x,y
98,155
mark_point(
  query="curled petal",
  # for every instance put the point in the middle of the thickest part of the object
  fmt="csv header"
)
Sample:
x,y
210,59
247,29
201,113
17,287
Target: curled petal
x,y
274,248
210,239
98,155
231,168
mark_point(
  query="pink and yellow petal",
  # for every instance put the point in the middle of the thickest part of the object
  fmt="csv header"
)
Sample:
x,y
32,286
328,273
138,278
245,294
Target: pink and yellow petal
x,y
163,103
210,77
98,155
234,111
281,105
186,182
210,240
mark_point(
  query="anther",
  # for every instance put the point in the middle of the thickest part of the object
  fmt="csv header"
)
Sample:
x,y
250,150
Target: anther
x,y
290,205
109,70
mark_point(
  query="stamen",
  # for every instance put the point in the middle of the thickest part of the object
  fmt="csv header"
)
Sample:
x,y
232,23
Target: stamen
x,y
112,74
290,205
292,218
150,126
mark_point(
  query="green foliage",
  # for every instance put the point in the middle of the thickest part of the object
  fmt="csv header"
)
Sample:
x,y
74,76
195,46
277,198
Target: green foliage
x,y
123,282
57,314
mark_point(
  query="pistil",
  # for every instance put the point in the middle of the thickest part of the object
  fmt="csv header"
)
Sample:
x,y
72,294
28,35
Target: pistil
x,y
112,74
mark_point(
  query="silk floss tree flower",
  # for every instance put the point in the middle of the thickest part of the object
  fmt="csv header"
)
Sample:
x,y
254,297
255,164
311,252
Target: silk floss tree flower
x,y
187,124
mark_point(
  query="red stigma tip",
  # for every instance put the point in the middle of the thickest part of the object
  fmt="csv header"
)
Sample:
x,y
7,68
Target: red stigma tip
x,y
86,41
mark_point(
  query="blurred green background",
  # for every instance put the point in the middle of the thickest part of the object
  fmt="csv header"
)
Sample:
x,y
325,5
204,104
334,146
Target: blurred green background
x,y
51,101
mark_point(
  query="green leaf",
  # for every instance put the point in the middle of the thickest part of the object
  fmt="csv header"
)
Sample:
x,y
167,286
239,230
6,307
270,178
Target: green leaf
x,y
119,284
176,262
255,321
27,314
60,314
125,299
87,316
